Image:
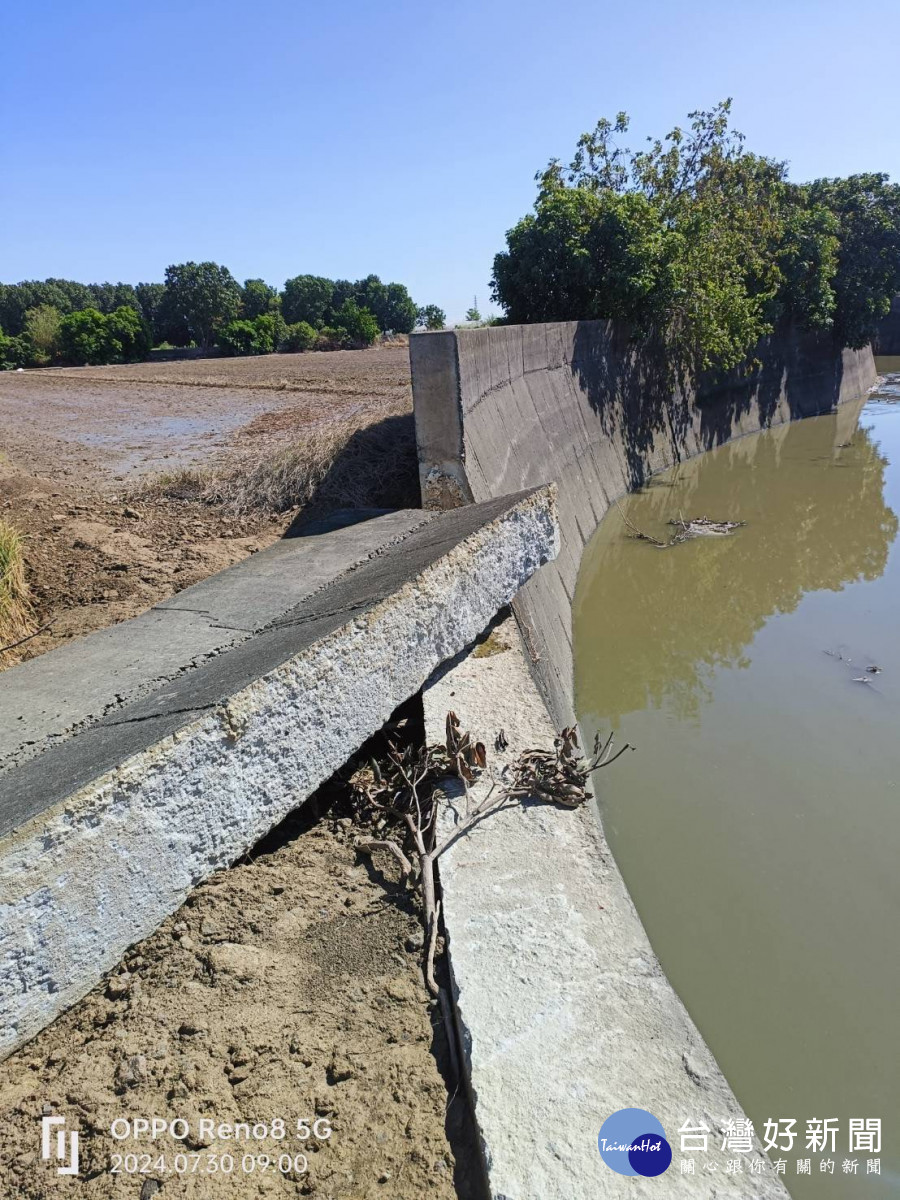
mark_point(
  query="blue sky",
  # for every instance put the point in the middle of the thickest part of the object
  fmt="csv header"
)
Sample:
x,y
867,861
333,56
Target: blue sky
x,y
344,138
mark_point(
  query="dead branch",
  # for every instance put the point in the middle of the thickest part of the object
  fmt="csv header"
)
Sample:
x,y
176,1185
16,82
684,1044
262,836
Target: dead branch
x,y
27,638
400,794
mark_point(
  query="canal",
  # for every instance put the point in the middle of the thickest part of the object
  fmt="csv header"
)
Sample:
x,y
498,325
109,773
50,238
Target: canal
x,y
757,825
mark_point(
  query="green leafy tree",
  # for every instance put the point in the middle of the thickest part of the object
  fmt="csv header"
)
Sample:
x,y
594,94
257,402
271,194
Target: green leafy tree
x,y
398,312
299,336
307,298
430,316
84,338
16,299
128,336
257,298
259,336
13,352
204,296
41,334
867,211
701,244
151,299
107,297
358,323
472,314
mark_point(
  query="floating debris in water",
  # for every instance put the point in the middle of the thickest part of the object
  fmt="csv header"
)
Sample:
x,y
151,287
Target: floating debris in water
x,y
686,530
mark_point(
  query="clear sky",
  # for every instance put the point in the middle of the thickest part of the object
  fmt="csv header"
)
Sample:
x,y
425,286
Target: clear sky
x,y
345,137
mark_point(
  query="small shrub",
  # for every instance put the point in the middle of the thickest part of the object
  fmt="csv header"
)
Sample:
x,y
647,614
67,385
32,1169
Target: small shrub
x,y
242,337
300,336
330,338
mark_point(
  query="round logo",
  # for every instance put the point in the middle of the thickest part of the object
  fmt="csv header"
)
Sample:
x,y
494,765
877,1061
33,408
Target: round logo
x,y
633,1142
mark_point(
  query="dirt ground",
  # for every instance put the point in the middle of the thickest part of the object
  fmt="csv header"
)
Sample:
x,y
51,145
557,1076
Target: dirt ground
x,y
290,985
75,444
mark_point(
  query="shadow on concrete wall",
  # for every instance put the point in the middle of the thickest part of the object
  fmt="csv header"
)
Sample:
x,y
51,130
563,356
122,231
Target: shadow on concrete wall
x,y
641,400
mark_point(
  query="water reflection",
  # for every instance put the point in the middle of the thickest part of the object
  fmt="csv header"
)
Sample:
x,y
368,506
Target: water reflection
x,y
758,824
812,496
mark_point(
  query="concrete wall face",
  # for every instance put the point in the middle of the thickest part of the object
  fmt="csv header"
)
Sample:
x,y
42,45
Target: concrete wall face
x,y
505,408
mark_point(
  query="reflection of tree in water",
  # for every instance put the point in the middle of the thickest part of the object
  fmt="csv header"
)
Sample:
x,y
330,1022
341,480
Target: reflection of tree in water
x,y
651,625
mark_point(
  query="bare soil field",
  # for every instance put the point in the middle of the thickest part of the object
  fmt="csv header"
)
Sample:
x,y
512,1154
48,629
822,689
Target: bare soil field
x,y
77,445
290,985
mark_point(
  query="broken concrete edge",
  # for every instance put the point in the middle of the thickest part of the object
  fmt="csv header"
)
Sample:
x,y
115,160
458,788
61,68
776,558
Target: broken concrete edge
x,y
564,1013
88,877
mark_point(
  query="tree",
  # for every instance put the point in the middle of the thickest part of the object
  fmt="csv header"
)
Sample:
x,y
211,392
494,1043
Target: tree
x,y
13,352
128,335
358,323
398,312
701,244
867,211
299,336
307,298
107,297
84,338
151,298
257,297
431,317
41,334
205,296
472,314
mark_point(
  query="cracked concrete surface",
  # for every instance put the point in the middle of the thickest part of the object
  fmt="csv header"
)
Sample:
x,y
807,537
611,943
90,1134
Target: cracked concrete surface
x,y
108,830
45,700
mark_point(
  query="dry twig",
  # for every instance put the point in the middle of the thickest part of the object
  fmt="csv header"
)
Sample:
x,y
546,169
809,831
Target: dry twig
x,y
399,797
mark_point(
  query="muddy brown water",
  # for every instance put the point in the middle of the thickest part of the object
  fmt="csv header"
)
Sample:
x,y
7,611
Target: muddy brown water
x,y
758,823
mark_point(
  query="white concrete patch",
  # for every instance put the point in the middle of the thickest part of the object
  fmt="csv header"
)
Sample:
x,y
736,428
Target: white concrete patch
x,y
87,878
564,1010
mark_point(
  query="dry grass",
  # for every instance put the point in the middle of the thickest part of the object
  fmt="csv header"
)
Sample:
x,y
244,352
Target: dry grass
x,y
16,613
336,465
187,483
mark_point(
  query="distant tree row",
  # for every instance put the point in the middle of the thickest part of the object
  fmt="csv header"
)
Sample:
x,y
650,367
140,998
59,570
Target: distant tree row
x,y
199,304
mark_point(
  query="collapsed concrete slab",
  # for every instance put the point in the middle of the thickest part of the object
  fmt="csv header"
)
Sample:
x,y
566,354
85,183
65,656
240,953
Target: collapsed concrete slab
x,y
112,815
565,1014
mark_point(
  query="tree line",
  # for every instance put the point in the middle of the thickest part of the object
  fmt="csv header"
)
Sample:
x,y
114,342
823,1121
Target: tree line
x,y
700,246
60,321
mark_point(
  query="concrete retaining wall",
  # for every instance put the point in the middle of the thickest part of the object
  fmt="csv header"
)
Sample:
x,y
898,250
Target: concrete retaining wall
x,y
504,408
